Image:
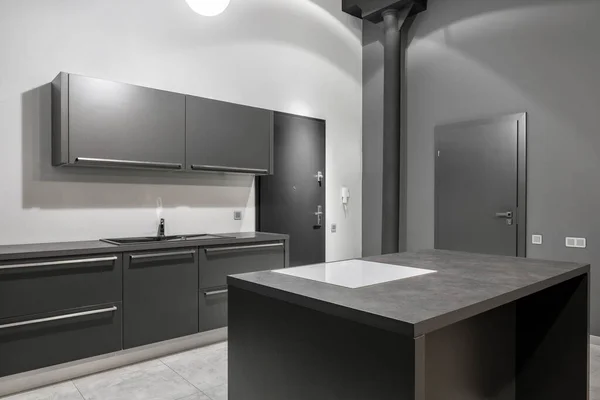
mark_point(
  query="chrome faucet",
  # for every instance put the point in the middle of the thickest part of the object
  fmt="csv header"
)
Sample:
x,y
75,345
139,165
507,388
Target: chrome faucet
x,y
161,229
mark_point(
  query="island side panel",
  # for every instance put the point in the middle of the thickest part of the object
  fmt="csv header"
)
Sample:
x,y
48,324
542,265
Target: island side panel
x,y
473,359
278,350
553,342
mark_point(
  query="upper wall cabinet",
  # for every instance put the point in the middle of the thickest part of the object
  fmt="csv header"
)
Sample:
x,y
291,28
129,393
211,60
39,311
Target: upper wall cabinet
x,y
227,137
110,124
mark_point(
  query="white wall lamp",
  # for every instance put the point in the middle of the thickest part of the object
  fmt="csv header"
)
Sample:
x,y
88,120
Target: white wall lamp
x,y
208,8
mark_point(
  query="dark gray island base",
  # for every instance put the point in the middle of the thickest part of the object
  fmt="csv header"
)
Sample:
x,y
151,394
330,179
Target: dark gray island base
x,y
481,327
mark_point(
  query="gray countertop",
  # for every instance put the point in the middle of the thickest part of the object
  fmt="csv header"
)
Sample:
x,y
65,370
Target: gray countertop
x,y
465,285
64,249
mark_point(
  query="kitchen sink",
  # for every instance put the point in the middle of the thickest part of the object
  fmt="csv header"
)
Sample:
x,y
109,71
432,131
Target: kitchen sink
x,y
157,239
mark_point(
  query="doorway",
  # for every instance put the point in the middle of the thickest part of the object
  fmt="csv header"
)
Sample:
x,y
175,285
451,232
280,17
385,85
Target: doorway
x,y
292,200
481,186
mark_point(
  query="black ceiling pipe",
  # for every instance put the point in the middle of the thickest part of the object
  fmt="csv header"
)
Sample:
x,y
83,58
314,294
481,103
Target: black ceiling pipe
x,y
390,15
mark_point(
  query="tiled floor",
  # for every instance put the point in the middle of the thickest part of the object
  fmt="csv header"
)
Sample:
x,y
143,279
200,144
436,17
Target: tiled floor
x,y
199,374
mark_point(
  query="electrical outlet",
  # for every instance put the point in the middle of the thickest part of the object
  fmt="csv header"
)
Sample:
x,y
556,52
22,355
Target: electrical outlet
x,y
333,228
536,239
237,215
578,243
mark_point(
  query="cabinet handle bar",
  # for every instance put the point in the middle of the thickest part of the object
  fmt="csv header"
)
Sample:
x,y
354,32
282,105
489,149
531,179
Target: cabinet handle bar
x,y
59,317
60,262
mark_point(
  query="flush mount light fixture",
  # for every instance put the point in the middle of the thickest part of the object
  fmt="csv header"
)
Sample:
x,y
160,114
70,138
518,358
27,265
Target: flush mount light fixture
x,y
208,8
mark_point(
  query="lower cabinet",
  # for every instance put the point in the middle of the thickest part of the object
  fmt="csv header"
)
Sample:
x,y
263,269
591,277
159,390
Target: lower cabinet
x,y
42,340
219,261
213,309
160,296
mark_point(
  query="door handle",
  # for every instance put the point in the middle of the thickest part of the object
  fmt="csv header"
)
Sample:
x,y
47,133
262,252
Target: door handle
x,y
319,215
507,214
319,177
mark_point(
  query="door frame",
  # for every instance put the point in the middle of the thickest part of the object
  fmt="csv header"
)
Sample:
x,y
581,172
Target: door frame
x,y
258,178
521,211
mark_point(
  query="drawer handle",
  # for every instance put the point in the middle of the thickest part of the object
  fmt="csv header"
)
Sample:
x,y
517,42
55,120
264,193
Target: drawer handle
x,y
61,262
229,248
215,292
161,255
126,163
59,317
196,167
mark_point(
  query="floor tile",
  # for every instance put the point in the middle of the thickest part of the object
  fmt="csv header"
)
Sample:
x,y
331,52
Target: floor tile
x,y
217,393
146,381
62,391
205,368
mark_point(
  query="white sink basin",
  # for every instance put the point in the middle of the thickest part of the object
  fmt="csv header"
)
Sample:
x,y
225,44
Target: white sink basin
x,y
354,273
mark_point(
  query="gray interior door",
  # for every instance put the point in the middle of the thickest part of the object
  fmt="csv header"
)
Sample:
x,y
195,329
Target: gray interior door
x,y
289,199
480,185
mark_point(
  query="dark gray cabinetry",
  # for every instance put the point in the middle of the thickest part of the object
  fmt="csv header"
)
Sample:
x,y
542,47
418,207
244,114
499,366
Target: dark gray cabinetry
x,y
56,310
218,262
42,340
227,137
103,123
44,285
160,296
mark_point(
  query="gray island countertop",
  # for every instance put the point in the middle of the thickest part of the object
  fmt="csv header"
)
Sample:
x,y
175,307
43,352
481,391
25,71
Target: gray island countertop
x,y
65,249
464,285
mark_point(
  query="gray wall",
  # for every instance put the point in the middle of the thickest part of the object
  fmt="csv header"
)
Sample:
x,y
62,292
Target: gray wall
x,y
474,59
301,57
372,140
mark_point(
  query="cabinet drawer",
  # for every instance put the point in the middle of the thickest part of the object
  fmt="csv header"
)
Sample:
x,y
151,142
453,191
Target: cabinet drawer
x,y
32,342
45,285
160,296
219,261
213,309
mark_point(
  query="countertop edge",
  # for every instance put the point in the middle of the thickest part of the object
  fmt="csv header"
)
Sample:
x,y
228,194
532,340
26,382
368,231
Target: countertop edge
x,y
439,322
98,247
352,314
402,327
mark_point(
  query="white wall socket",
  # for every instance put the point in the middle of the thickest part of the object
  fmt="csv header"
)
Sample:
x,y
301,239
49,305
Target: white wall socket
x,y
536,239
579,243
333,228
237,215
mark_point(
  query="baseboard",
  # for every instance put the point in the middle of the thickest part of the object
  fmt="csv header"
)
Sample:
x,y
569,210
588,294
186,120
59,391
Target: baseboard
x,y
595,340
76,369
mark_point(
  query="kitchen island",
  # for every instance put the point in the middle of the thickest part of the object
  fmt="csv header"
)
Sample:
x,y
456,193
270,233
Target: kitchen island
x,y
469,327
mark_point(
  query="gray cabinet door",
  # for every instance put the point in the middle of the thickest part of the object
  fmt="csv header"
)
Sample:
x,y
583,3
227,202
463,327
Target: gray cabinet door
x,y
42,340
227,137
217,262
37,286
160,296
120,122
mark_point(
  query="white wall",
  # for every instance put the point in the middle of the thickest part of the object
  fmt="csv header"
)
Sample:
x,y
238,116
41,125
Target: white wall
x,y
297,56
477,59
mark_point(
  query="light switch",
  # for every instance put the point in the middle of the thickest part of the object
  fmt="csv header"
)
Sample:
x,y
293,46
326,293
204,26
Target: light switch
x,y
536,239
578,243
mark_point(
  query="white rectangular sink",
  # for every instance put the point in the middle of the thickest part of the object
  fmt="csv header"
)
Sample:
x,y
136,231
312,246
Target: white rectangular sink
x,y
354,273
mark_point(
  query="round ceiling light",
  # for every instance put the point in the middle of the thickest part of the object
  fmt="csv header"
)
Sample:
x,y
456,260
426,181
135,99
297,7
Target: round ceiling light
x,y
208,8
